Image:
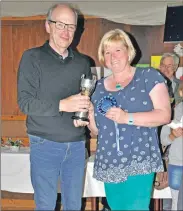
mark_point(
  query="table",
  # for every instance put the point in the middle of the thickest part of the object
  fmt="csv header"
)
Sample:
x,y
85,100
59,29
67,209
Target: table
x,y
15,171
15,176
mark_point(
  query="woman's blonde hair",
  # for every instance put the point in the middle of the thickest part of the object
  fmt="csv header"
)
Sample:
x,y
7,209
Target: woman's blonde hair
x,y
116,35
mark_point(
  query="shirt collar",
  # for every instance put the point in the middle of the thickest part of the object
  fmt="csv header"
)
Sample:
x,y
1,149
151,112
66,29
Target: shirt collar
x,y
53,52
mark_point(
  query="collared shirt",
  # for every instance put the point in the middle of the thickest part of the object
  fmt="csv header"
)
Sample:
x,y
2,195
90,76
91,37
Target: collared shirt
x,y
57,55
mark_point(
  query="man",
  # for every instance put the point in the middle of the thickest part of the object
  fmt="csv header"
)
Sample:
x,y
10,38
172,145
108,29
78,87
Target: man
x,y
48,87
168,66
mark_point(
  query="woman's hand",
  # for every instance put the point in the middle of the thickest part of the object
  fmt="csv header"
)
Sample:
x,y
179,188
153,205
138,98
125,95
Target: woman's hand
x,y
91,111
80,123
117,115
178,132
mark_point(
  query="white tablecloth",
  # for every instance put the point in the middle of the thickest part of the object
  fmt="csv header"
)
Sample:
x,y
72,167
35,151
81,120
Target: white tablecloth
x,y
15,171
15,175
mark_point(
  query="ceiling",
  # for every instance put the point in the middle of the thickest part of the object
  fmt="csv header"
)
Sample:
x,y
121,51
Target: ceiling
x,y
135,12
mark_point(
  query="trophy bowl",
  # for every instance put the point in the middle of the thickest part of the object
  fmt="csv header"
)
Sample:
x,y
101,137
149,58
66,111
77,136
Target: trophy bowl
x,y
87,88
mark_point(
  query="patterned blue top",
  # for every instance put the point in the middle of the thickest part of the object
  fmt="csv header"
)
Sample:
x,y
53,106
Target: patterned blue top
x,y
122,149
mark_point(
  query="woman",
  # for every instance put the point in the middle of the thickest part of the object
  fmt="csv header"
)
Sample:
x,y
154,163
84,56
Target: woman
x,y
180,198
128,106
174,138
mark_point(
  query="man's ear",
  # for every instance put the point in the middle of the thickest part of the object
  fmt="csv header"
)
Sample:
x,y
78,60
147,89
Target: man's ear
x,y
47,26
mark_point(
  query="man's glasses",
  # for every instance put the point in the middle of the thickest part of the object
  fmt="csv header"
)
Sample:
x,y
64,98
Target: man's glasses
x,y
169,67
60,25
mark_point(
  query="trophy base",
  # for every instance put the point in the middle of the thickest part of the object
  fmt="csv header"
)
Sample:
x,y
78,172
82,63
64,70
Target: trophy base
x,y
81,118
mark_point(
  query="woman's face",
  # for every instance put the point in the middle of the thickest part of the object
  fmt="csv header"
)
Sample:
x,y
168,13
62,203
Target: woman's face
x,y
116,56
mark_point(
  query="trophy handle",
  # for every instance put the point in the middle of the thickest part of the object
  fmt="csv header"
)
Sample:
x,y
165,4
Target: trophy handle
x,y
94,77
82,76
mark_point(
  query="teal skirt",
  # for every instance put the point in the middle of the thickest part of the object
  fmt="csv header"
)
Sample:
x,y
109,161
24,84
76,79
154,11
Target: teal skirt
x,y
133,194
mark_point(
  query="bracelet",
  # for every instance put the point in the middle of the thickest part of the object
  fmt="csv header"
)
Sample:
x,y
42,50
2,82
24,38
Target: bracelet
x,y
130,119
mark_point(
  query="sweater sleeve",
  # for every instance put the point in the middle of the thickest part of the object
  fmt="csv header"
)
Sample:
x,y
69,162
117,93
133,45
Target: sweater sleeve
x,y
166,130
28,89
164,137
179,111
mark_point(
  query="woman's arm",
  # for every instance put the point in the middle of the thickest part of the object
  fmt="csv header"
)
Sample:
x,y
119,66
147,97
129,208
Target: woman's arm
x,y
165,135
92,125
160,115
169,135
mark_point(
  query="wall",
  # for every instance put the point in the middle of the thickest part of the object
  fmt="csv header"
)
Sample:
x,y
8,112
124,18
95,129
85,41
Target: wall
x,y
19,35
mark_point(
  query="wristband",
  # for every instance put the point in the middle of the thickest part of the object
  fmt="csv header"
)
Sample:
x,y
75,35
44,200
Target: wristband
x,y
130,119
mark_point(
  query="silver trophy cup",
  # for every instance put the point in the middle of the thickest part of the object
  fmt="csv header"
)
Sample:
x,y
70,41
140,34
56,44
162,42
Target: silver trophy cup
x,y
87,88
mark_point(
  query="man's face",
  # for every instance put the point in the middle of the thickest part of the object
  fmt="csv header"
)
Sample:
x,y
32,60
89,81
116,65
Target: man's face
x,y
61,38
167,67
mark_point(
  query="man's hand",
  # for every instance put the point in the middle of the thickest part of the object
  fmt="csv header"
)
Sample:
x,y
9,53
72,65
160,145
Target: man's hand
x,y
75,103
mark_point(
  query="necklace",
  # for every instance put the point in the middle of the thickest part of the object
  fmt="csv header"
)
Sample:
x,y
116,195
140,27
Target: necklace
x,y
118,86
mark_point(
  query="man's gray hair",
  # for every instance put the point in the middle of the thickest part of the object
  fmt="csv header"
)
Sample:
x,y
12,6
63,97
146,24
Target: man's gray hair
x,y
51,9
175,58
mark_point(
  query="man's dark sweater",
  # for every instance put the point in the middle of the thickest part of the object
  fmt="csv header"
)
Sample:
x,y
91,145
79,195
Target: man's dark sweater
x,y
44,79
